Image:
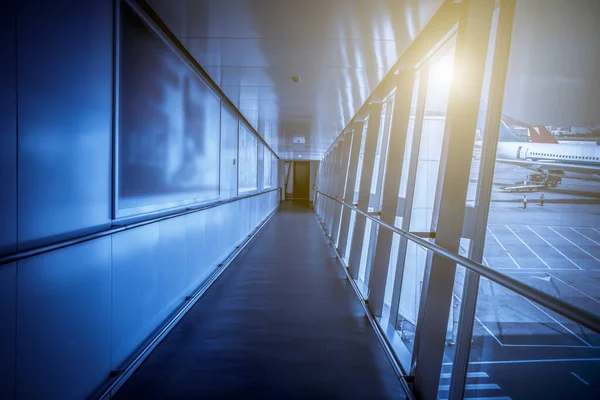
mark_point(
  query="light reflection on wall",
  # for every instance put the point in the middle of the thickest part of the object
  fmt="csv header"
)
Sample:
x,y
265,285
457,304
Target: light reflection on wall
x,y
169,123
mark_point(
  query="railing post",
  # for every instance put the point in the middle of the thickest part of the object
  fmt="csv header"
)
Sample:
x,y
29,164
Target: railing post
x,y
350,186
364,193
395,159
463,109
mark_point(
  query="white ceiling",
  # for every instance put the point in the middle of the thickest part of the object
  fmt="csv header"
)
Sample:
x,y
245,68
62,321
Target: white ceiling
x,y
341,49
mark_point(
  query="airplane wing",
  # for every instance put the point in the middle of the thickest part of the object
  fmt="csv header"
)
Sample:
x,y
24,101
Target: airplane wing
x,y
552,166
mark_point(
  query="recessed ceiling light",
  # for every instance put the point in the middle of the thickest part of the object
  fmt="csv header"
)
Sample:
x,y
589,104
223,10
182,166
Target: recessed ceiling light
x,y
299,155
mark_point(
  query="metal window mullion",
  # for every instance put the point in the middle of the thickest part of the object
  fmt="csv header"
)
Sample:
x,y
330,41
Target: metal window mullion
x,y
438,282
350,186
335,172
411,180
468,304
327,181
341,181
323,184
330,179
375,199
364,192
391,188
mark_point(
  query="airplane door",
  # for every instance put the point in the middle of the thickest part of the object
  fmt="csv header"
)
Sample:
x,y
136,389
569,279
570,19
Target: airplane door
x,y
524,151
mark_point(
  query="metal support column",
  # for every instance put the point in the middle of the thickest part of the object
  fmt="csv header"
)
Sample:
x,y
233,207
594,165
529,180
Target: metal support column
x,y
341,186
335,176
468,303
378,175
463,109
364,192
410,188
350,185
326,186
391,187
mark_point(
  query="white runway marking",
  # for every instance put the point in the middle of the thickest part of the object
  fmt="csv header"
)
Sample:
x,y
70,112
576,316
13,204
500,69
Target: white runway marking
x,y
447,375
580,291
553,230
557,250
595,230
530,249
590,239
531,361
494,236
559,323
580,378
474,386
504,248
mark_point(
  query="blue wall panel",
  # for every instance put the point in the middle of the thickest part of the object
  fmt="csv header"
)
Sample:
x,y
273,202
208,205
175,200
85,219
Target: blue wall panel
x,y
8,129
64,118
198,267
8,301
63,324
136,285
149,265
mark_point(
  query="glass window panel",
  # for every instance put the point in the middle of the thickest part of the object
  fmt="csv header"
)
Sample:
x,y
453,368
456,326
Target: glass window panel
x,y
552,84
430,148
361,156
229,152
168,127
267,175
401,195
248,154
524,351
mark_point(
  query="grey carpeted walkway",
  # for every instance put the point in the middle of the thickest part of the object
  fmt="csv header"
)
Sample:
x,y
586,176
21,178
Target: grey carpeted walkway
x,y
280,323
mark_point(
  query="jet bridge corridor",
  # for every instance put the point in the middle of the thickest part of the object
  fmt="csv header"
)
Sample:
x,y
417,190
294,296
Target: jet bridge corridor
x,y
340,199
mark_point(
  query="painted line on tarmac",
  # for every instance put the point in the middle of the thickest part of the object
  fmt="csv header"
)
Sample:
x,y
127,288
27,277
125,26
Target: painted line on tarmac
x,y
556,346
574,244
504,248
595,230
585,236
494,236
530,361
447,375
557,250
530,270
571,286
484,398
559,323
580,378
530,249
474,386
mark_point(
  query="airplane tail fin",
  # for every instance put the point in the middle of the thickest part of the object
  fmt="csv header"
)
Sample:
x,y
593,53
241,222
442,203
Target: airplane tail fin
x,y
544,136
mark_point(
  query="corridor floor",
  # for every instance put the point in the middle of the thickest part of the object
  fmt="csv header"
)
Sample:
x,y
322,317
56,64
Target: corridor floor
x,y
280,323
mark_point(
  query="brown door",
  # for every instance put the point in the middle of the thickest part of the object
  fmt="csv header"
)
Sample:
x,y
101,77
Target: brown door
x,y
301,180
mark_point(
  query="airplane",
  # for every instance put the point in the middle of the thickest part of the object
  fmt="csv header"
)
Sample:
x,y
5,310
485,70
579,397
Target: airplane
x,y
552,161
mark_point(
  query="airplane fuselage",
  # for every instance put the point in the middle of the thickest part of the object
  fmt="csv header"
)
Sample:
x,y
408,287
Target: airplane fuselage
x,y
558,160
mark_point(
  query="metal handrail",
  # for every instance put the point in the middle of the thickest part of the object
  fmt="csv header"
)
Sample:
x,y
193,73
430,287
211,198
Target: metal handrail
x,y
20,255
574,313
